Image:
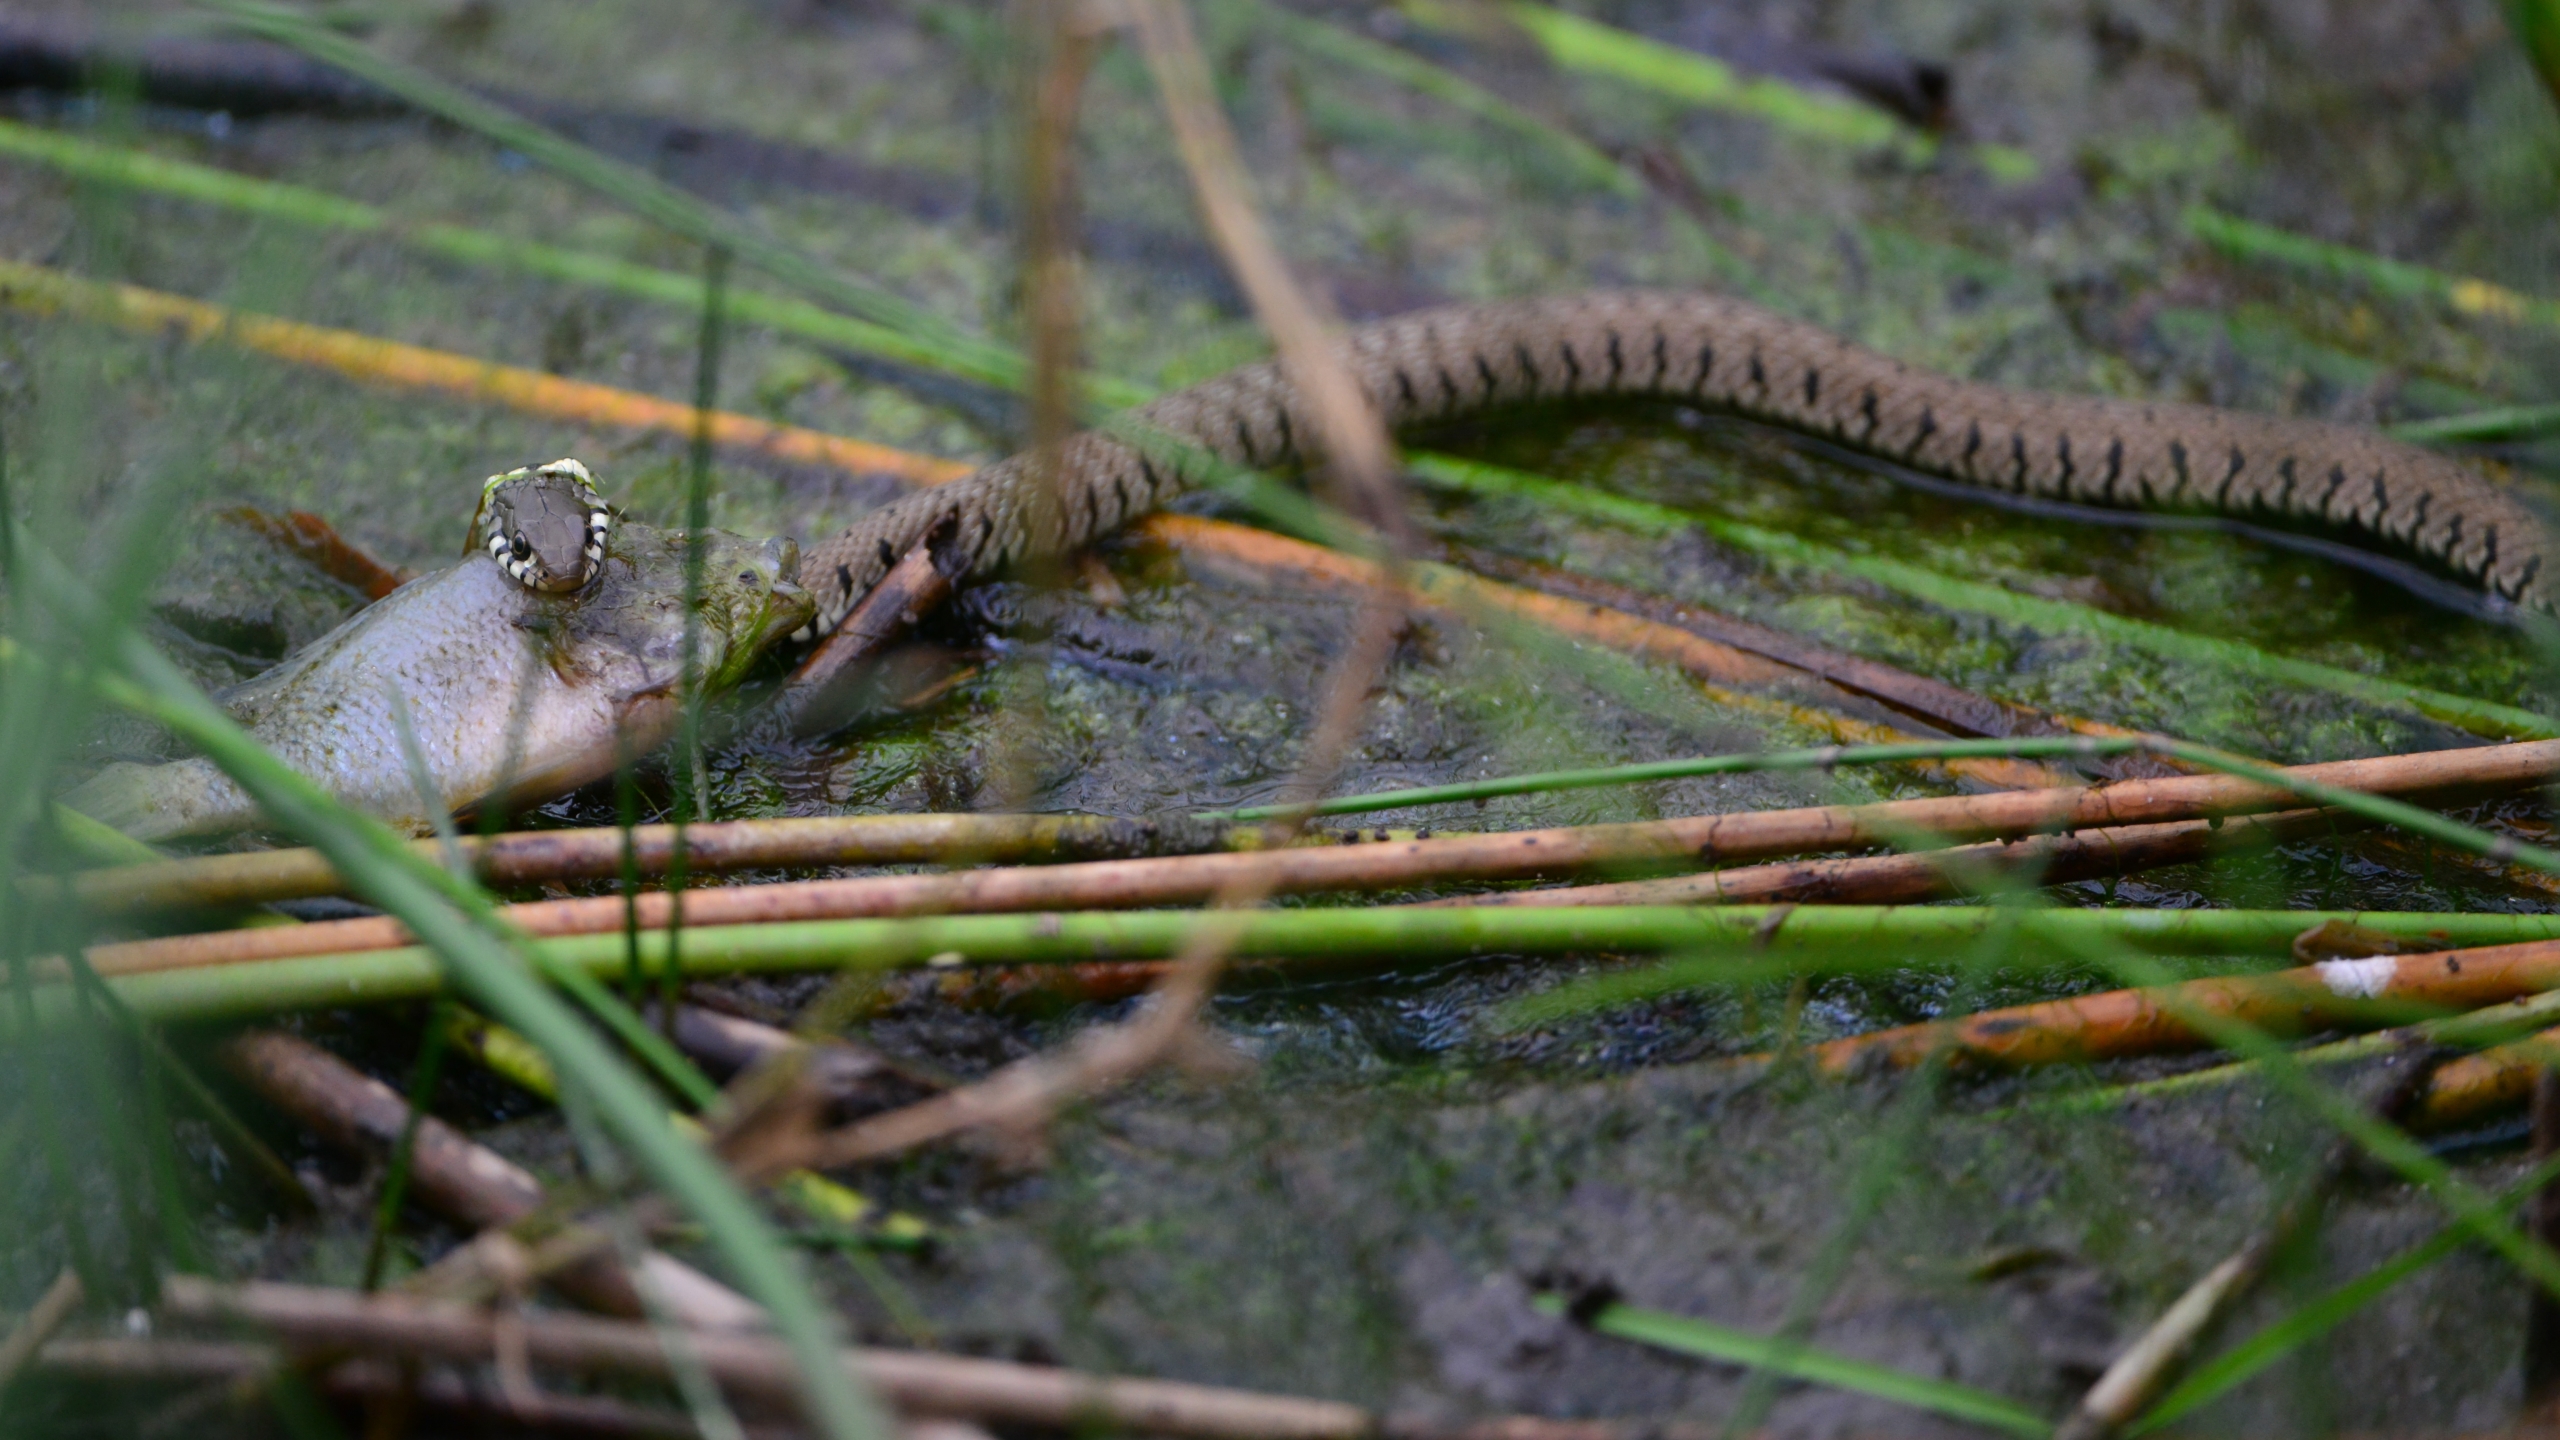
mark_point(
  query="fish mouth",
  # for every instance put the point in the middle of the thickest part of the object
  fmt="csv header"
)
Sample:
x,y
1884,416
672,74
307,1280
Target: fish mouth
x,y
789,608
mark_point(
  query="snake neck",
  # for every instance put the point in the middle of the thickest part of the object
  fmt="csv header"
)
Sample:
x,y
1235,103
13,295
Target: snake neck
x,y
1446,364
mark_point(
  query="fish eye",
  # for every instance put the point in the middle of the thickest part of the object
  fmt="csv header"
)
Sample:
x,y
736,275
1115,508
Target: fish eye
x,y
520,547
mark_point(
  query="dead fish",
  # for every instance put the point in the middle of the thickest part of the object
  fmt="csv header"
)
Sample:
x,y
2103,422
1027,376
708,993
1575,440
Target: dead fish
x,y
504,686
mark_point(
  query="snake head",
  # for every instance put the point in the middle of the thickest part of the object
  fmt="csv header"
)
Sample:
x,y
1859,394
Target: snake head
x,y
545,525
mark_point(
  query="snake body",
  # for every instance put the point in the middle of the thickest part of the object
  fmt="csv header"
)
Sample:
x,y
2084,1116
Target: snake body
x,y
1448,363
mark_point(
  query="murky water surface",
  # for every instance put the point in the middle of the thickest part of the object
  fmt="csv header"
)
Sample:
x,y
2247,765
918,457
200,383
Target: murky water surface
x,y
1360,1216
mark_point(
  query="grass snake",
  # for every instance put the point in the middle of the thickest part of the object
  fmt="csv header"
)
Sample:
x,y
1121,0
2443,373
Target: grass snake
x,y
1726,355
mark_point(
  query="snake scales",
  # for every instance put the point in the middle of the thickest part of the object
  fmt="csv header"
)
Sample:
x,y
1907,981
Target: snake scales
x,y
1442,364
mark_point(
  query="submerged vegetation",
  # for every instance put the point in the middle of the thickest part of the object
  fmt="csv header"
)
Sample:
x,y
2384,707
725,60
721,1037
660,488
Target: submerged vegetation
x,y
1595,919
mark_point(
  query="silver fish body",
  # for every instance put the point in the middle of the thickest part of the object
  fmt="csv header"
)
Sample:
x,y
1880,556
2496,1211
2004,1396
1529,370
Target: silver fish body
x,y
505,688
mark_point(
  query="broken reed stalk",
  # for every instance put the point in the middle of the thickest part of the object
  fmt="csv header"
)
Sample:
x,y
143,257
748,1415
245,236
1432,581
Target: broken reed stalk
x,y
534,857
37,1326
1685,843
454,1176
825,687
2500,1075
837,1074
2116,1024
1733,944
2542,1221
2143,1369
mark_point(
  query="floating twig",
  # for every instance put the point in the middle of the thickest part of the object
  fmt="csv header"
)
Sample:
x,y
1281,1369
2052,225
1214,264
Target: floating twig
x,y
1448,590
2009,607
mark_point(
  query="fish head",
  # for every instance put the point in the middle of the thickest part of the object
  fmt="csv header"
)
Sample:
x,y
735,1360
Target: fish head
x,y
751,600
628,630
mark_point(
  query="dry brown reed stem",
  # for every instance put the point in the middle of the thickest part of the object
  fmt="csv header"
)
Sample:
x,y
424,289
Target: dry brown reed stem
x,y
1689,843
530,857
454,1176
461,1396
1442,589
1936,874
2119,1023
34,1328
914,1383
38,290
2144,1368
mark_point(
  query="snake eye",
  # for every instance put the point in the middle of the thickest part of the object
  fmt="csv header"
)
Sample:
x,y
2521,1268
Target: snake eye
x,y
747,578
521,548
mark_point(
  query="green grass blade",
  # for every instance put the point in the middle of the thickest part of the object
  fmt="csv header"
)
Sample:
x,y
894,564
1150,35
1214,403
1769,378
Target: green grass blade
x,y
2249,240
1797,1361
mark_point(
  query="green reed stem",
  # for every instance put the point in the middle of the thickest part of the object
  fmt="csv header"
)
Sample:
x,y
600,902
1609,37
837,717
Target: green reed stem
x,y
1730,944
1798,1361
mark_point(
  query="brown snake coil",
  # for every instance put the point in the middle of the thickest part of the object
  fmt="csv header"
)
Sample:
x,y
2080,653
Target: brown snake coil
x,y
1442,364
